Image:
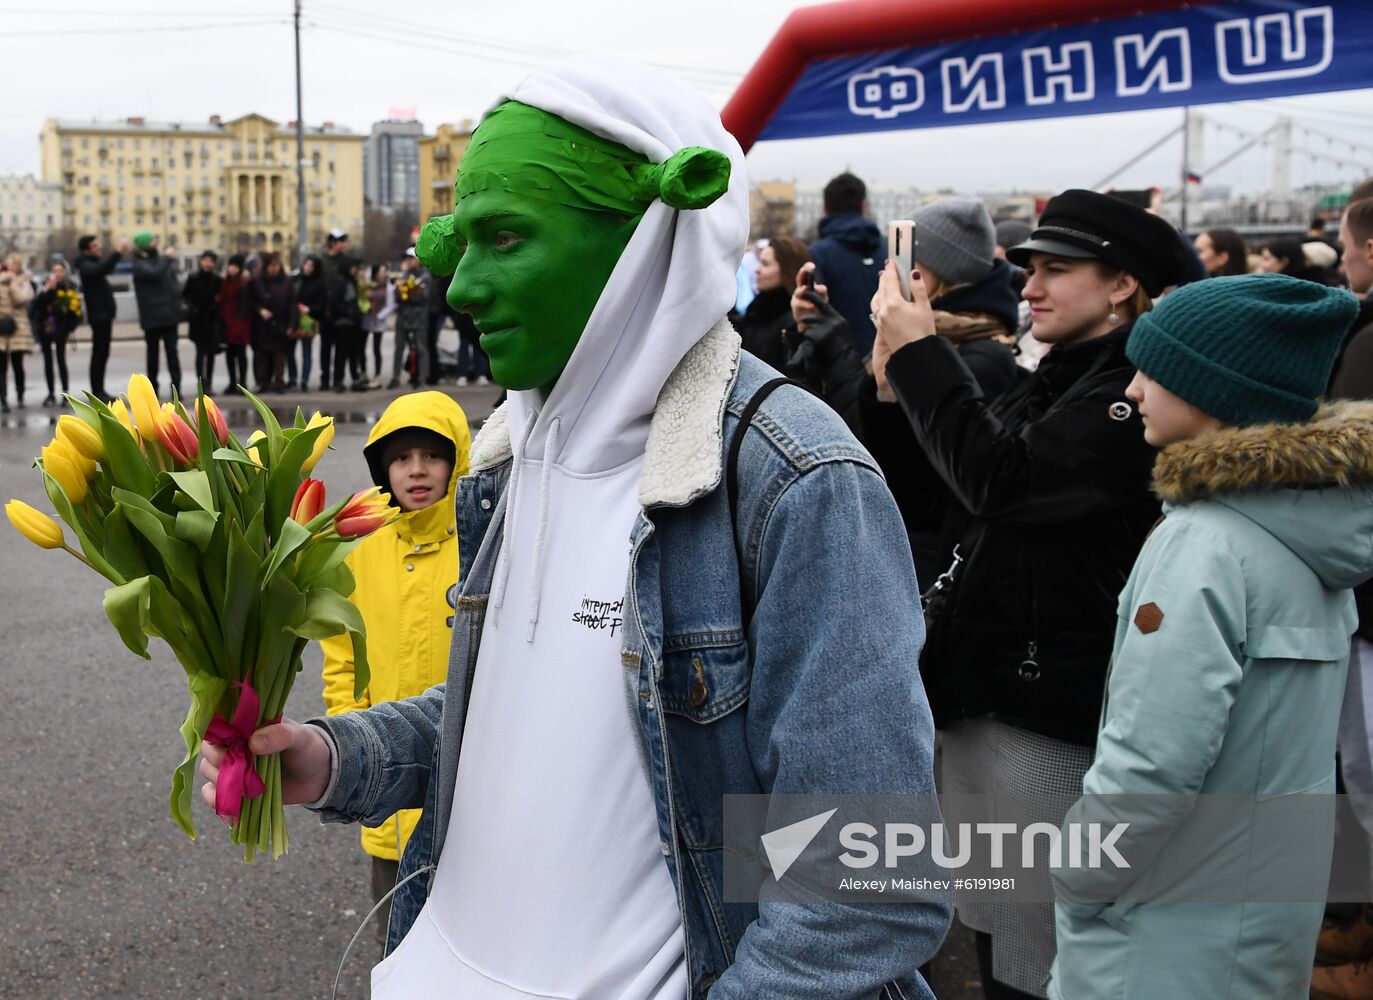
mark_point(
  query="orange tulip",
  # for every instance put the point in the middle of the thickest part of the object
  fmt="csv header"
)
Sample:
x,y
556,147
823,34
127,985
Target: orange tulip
x,y
218,425
309,501
177,437
363,514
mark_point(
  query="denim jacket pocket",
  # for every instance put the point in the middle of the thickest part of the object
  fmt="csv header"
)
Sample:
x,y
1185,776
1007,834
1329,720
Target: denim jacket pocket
x,y
705,676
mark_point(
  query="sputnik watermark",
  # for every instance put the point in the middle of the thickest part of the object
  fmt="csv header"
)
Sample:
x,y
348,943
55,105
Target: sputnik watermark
x,y
1034,849
910,840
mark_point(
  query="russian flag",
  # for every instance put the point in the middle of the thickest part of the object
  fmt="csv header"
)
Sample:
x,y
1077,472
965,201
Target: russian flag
x,y
1192,177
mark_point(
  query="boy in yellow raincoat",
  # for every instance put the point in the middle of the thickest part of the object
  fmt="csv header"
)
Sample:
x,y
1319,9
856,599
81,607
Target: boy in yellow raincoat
x,y
407,577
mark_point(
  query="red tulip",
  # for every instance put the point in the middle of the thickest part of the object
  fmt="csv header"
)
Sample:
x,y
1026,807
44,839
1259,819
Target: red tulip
x,y
363,514
309,501
217,422
177,437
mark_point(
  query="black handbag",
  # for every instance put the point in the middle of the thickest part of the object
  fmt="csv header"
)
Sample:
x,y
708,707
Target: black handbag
x,y
8,326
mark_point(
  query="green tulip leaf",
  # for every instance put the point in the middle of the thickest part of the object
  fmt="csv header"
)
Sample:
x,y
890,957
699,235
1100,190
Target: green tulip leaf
x,y
328,613
293,536
196,485
206,690
196,527
124,459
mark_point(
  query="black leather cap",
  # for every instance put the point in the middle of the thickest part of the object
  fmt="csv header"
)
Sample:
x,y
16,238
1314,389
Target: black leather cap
x,y
1086,225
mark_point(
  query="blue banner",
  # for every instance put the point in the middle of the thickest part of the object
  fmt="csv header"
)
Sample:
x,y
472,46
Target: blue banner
x,y
1195,55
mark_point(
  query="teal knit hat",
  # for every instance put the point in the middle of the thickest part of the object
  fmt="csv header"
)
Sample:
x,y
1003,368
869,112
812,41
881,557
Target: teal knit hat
x,y
1249,349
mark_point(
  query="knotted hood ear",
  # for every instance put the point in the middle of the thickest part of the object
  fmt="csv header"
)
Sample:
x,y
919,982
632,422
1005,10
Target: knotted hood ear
x,y
437,247
693,178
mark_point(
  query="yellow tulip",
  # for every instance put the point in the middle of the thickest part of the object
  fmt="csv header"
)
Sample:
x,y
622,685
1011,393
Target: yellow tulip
x,y
144,406
34,525
61,468
81,436
83,464
251,448
326,438
121,413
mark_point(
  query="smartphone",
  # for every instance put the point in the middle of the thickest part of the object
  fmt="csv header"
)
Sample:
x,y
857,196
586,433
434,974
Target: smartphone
x,y
901,249
808,279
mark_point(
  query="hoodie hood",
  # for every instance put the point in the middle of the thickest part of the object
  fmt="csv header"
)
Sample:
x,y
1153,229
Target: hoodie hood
x,y
430,411
673,281
853,231
1309,485
995,296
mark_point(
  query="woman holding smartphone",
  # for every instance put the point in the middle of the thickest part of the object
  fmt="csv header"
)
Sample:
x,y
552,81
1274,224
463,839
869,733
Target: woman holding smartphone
x,y
1046,503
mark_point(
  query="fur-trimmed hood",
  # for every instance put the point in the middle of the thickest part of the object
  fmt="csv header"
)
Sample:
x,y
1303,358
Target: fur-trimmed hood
x,y
1309,485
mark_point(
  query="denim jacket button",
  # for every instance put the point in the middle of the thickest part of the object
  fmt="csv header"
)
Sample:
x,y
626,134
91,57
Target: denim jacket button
x,y
667,850
698,694
486,504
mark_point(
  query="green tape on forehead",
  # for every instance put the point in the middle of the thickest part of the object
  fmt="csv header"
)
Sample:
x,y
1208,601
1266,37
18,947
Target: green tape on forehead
x,y
531,152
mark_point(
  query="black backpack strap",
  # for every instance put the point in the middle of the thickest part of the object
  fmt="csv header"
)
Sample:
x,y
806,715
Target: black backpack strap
x,y
732,469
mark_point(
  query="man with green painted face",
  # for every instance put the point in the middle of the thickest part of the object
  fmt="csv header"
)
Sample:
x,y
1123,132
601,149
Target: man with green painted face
x,y
631,643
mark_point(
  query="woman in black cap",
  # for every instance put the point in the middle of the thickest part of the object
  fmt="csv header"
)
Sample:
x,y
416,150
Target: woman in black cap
x,y
1047,502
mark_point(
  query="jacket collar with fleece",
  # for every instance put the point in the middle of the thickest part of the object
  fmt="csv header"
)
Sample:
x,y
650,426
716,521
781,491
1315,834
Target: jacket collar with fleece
x,y
1309,485
432,411
682,460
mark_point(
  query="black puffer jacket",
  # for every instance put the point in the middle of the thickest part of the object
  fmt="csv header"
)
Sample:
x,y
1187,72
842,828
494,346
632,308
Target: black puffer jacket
x,y
201,295
95,285
1048,500
157,290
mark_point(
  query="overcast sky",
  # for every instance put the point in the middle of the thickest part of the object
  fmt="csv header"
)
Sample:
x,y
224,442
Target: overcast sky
x,y
449,60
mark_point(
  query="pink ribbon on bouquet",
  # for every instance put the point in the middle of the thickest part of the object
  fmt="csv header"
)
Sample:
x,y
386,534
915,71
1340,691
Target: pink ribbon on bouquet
x,y
238,778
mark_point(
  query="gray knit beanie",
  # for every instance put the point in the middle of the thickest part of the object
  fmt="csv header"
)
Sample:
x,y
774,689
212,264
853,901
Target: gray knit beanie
x,y
954,238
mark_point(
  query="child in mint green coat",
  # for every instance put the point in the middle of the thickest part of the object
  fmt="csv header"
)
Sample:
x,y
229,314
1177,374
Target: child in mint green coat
x,y
1230,655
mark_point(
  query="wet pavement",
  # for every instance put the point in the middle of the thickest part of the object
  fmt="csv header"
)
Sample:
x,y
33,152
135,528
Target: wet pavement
x,y
104,896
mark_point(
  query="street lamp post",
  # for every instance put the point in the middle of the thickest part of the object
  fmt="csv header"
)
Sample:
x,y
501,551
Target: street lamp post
x,y
300,152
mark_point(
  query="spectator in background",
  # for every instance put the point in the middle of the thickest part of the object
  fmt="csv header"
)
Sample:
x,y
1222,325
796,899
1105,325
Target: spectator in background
x,y
337,265
275,315
1046,502
744,276
201,295
381,298
413,292
95,267
345,313
16,336
236,313
1010,233
439,311
1297,257
309,292
1346,942
976,310
762,323
849,255
159,306
1222,252
474,367
57,313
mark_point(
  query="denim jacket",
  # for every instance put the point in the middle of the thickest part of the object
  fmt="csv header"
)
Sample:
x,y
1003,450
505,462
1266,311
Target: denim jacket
x,y
815,692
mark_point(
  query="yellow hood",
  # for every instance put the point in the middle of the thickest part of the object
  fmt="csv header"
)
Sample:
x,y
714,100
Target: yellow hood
x,y
432,411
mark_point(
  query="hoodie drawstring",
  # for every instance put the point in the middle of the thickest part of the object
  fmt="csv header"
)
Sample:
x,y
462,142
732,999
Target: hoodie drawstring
x,y
550,451
512,496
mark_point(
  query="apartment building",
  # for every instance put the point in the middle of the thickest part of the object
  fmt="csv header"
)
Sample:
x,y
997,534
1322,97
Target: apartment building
x,y
225,186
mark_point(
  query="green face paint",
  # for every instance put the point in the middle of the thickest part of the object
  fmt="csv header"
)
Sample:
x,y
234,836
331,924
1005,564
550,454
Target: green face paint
x,y
529,275
544,211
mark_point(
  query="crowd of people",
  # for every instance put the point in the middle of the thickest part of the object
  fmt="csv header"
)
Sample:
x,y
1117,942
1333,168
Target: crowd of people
x,y
1138,500
263,320
1029,481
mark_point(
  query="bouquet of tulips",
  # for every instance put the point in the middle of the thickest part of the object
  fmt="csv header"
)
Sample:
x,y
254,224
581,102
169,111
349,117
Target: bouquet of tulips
x,y
226,551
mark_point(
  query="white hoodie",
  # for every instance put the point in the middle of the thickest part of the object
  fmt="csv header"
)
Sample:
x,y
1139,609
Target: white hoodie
x,y
552,881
